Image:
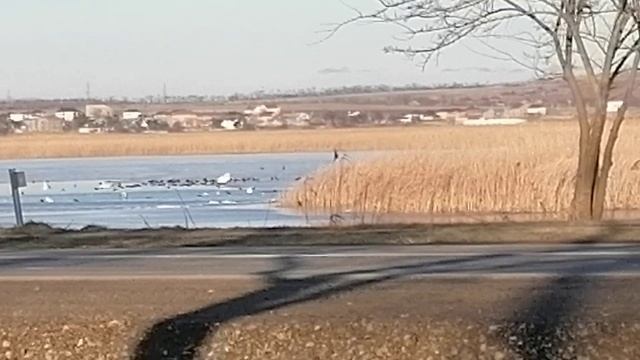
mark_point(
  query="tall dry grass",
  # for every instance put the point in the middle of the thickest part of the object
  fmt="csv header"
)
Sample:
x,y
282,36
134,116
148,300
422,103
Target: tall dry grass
x,y
77,145
526,169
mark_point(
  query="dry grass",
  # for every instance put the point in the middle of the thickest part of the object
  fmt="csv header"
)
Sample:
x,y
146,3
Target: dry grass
x,y
76,145
526,169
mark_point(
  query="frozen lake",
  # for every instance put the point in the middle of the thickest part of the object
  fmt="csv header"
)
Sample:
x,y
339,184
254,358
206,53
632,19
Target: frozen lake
x,y
140,192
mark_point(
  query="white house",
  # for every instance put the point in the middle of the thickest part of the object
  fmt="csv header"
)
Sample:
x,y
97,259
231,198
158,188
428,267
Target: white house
x,y
456,115
98,111
536,110
131,115
185,118
231,124
17,117
303,117
263,110
20,116
263,116
407,119
67,114
90,130
614,105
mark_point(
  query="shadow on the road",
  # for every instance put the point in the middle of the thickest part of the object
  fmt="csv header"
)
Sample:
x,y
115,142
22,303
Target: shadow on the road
x,y
181,336
542,326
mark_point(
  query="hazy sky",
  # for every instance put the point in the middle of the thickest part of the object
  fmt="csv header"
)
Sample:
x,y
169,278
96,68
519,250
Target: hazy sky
x,y
52,48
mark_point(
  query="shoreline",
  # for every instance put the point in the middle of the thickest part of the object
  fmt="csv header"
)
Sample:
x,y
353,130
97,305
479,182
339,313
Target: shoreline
x,y
41,236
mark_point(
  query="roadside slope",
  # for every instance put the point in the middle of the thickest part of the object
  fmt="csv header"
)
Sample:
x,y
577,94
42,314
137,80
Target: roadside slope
x,y
34,236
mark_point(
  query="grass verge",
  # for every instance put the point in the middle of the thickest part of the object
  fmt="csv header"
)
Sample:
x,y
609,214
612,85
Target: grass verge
x,y
35,236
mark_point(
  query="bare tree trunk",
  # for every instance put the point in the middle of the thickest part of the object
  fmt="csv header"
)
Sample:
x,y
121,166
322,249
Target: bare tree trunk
x,y
586,175
607,157
599,40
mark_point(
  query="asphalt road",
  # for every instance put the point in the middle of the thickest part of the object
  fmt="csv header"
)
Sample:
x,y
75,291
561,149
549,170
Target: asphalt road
x,y
375,302
393,262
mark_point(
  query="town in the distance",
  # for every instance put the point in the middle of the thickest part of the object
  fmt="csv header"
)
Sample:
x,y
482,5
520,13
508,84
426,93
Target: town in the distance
x,y
508,104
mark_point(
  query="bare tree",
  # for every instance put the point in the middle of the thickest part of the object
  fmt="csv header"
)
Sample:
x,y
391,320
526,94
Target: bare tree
x,y
591,42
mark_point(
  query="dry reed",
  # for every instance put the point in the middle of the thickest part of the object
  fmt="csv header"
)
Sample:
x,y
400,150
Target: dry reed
x,y
95,145
526,170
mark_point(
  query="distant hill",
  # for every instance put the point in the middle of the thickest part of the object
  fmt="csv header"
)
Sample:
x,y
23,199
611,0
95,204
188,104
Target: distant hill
x,y
548,92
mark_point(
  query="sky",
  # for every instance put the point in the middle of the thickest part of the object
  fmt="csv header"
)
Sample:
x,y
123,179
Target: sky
x,y
53,48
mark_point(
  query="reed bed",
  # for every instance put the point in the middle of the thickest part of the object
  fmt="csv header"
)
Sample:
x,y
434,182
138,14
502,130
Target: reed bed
x,y
525,170
96,145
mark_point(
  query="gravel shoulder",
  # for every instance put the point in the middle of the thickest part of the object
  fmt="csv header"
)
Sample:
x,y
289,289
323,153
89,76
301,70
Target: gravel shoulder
x,y
207,319
35,236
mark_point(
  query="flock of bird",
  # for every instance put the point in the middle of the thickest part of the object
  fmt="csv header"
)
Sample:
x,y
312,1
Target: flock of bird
x,y
122,187
218,182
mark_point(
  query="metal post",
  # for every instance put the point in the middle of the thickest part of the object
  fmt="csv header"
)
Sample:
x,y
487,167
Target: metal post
x,y
17,180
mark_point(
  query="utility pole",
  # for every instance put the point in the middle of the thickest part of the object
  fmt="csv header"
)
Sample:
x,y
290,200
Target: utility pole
x,y
9,95
17,180
164,92
88,91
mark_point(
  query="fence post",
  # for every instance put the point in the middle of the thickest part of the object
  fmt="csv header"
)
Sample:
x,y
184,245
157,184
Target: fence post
x,y
18,180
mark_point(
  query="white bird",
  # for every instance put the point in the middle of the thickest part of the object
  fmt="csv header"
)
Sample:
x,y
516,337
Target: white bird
x,y
250,190
48,200
224,179
46,186
124,195
104,185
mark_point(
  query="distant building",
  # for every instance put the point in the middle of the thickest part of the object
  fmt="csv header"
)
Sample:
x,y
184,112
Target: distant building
x,y
537,111
412,118
17,117
263,110
98,111
264,116
451,115
231,124
44,124
302,119
184,118
22,116
407,119
131,114
67,114
90,130
614,105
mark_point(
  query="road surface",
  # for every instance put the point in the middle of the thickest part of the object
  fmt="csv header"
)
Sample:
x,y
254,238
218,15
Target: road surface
x,y
457,261
375,302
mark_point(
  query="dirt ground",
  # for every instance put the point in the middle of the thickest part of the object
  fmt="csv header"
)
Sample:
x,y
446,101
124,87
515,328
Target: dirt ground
x,y
35,236
218,319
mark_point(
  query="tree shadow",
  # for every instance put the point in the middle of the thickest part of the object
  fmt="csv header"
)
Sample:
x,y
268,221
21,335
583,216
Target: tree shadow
x,y
180,336
543,326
